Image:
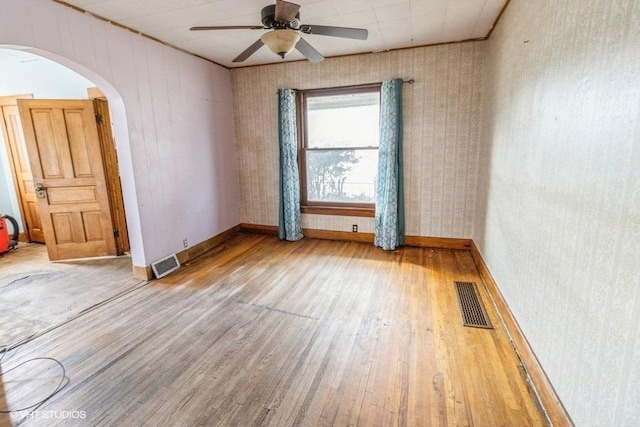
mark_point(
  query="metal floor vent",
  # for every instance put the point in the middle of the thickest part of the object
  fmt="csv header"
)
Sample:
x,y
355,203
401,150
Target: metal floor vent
x,y
471,308
165,266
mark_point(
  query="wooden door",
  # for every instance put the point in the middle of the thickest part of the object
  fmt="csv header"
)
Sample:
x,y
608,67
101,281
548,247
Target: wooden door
x,y
19,161
64,154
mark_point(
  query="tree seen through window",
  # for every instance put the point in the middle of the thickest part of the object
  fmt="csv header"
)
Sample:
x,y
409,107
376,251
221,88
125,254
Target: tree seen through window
x,y
339,149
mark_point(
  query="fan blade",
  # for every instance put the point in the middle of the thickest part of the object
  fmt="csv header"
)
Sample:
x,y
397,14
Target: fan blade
x,y
309,51
249,51
347,33
230,27
286,11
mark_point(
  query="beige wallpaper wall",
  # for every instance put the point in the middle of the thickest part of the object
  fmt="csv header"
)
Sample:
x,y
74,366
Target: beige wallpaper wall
x,y
441,144
559,202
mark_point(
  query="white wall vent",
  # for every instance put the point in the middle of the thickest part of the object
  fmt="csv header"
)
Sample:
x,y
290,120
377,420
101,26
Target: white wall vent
x,y
165,266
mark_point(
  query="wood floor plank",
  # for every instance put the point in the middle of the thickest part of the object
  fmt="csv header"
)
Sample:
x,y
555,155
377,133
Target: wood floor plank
x,y
36,294
264,332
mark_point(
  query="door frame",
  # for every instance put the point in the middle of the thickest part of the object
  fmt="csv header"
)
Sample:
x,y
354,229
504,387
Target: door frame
x,y
111,169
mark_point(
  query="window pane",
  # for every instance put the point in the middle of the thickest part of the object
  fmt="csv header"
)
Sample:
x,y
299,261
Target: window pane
x,y
344,176
343,120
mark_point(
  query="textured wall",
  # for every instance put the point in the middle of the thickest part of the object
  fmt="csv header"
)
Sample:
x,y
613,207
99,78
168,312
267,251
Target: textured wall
x,y
172,121
559,199
441,133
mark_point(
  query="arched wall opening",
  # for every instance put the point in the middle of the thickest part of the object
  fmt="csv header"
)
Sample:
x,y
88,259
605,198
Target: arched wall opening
x,y
121,136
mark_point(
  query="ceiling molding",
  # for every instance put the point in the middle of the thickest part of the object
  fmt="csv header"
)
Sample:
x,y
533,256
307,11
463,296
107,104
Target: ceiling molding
x,y
124,27
495,24
479,39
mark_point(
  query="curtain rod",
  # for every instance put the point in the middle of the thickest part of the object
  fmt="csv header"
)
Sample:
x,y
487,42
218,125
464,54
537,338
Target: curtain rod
x,y
410,81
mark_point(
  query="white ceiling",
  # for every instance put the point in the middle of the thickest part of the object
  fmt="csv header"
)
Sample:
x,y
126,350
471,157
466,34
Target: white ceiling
x,y
392,24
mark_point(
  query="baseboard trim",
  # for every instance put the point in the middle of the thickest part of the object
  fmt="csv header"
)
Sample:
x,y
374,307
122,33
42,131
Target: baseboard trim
x,y
438,242
338,235
146,272
554,409
142,272
206,245
417,241
271,230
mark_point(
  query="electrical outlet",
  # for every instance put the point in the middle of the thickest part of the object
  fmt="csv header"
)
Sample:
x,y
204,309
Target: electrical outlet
x,y
355,228
185,243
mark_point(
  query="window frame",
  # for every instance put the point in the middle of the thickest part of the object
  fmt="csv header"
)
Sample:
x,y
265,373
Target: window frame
x,y
327,208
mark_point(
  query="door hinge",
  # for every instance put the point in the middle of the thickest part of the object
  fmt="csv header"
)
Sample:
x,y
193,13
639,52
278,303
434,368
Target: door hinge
x,y
98,117
116,233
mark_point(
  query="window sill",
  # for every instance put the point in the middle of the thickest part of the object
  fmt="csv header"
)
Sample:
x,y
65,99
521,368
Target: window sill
x,y
340,211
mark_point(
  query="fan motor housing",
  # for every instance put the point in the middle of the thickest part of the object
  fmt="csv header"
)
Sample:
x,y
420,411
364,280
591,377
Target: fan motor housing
x,y
269,19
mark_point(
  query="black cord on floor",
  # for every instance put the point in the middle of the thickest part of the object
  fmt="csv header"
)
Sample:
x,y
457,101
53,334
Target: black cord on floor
x,y
58,388
6,348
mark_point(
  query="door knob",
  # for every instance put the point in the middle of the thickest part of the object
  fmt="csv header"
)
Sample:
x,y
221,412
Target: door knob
x,y
40,190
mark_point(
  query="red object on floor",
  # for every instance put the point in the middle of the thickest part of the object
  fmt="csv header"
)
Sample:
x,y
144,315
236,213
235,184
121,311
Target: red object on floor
x,y
4,236
8,241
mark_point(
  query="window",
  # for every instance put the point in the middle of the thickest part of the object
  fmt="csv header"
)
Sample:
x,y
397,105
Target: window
x,y
338,149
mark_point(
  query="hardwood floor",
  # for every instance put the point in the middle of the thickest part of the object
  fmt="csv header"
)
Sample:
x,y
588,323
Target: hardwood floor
x,y
263,332
36,294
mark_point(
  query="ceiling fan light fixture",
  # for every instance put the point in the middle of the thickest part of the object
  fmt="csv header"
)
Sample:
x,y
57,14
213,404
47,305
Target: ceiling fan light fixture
x,y
281,42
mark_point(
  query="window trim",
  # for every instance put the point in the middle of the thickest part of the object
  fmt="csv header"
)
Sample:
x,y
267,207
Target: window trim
x,y
327,208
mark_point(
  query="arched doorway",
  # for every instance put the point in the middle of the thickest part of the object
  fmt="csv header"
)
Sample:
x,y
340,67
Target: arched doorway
x,y
38,74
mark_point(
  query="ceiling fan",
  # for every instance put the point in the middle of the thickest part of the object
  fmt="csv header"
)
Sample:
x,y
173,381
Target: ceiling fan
x,y
283,19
